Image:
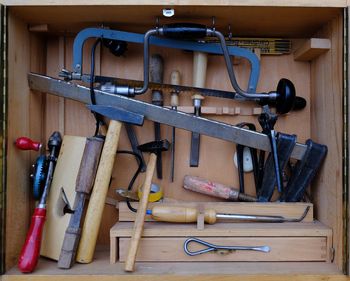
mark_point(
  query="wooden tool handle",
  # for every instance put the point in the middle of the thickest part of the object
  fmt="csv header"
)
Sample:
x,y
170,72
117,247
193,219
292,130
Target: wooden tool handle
x,y
181,214
175,79
200,61
84,183
156,68
140,216
98,197
89,164
204,186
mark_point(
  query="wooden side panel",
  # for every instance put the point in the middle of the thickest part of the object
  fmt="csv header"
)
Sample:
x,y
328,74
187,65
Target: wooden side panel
x,y
327,128
18,162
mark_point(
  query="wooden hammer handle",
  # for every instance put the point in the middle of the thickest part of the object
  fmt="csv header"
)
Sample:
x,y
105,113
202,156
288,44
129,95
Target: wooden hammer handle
x,y
98,197
140,216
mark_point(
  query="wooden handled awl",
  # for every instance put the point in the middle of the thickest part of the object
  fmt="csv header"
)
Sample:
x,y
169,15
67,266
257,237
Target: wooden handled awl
x,y
215,189
84,183
99,193
153,147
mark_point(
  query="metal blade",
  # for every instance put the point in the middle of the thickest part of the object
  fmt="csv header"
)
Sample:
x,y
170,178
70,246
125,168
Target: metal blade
x,y
118,114
165,87
159,114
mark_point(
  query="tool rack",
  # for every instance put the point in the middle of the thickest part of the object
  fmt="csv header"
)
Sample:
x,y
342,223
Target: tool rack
x,y
39,39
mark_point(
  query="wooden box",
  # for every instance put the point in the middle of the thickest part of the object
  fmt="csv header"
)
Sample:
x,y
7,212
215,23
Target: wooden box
x,y
39,39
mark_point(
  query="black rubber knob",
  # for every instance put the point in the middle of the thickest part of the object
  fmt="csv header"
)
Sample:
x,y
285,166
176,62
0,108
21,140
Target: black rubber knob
x,y
285,96
116,47
299,103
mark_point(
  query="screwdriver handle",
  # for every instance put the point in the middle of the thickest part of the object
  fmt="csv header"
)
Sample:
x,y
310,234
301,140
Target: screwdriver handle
x,y
181,214
25,143
31,249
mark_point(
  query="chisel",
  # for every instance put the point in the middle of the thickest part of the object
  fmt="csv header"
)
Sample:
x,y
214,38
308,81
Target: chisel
x,y
199,73
84,183
174,102
156,75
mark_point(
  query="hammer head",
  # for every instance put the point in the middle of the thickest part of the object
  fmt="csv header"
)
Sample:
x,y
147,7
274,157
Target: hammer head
x,y
154,146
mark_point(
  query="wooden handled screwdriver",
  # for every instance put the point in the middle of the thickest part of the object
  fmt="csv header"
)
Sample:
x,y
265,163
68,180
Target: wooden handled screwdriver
x,y
99,193
199,73
188,215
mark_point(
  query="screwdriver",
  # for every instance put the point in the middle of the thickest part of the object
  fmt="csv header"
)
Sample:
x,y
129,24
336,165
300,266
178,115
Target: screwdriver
x,y
188,215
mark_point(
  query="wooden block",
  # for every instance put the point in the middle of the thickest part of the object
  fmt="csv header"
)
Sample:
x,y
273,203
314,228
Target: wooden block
x,y
311,49
282,249
288,210
65,176
160,229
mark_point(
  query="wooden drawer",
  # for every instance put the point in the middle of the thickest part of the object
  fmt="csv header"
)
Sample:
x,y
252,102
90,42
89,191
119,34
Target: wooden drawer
x,y
39,39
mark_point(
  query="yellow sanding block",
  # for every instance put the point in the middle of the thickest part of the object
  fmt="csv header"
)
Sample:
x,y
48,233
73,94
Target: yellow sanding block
x,y
64,178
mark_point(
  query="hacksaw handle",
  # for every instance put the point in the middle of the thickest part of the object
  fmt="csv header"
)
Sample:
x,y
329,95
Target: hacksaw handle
x,y
181,214
30,252
98,197
184,30
140,216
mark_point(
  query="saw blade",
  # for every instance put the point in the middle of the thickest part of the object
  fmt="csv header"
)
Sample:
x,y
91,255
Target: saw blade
x,y
165,87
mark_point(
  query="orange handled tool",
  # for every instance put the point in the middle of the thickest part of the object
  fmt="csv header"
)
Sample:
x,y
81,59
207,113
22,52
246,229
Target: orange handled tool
x,y
31,249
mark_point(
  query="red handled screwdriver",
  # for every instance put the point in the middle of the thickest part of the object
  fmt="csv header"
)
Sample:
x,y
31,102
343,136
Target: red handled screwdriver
x,y
25,143
31,248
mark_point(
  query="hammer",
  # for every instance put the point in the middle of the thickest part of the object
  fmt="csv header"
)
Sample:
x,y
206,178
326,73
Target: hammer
x,y
155,147
104,171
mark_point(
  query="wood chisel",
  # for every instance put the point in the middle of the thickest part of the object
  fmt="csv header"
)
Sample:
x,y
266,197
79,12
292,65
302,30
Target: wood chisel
x,y
175,79
156,75
199,73
84,183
